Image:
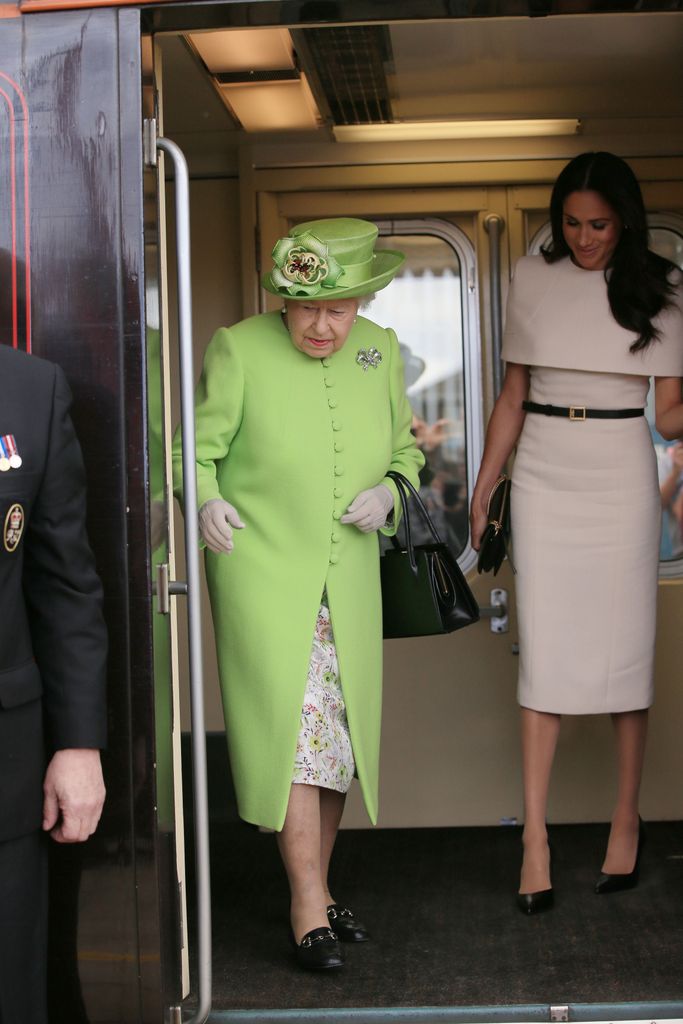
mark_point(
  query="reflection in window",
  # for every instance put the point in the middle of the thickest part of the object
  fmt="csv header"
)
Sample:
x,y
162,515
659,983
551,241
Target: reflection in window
x,y
670,473
666,238
425,306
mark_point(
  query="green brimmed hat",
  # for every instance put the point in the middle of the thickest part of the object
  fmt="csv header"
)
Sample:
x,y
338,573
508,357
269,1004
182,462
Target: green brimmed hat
x,y
331,259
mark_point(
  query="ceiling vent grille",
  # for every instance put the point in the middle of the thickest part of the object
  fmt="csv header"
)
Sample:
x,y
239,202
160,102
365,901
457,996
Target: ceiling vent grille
x,y
350,65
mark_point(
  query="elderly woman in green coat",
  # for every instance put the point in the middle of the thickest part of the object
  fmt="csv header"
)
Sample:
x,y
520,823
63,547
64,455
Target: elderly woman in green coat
x,y
300,414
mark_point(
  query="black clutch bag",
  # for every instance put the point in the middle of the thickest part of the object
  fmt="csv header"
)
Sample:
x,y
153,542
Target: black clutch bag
x,y
423,589
496,536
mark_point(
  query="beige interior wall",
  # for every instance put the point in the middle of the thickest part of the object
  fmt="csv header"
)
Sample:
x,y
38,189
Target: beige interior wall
x,y
450,750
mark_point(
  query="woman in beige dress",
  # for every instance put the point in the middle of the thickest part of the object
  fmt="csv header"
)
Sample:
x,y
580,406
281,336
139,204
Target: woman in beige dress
x,y
588,323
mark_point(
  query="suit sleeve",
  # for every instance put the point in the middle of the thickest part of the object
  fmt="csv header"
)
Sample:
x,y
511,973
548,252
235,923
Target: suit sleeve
x,y
63,591
219,400
406,457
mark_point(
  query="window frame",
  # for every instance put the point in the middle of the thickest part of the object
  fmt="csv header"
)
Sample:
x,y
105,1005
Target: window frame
x,y
473,399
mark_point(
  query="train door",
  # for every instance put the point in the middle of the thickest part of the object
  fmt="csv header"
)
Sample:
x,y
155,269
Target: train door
x,y
169,795
165,406
73,263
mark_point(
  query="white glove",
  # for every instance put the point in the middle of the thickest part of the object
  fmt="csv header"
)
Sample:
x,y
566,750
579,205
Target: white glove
x,y
370,509
216,517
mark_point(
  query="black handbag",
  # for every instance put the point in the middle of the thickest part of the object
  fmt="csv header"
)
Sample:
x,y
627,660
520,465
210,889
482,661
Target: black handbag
x,y
495,539
423,589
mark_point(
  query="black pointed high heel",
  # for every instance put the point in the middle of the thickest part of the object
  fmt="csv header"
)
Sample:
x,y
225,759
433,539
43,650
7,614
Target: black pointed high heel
x,y
617,883
536,902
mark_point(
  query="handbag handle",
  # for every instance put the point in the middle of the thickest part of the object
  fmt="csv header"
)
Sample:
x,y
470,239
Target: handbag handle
x,y
403,485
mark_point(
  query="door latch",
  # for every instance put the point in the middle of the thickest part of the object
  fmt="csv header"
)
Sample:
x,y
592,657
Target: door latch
x,y
497,611
165,589
149,142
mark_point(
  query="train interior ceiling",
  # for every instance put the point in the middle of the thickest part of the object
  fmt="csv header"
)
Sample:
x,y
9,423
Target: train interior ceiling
x,y
300,91
266,119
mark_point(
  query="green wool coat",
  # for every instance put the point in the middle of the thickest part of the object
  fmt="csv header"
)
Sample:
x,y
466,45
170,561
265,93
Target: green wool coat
x,y
290,441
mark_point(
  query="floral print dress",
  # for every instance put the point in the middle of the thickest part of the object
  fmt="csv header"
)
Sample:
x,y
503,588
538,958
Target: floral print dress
x,y
324,756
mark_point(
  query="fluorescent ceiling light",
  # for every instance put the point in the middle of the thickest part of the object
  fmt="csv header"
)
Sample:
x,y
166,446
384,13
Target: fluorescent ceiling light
x,y
268,49
418,131
273,106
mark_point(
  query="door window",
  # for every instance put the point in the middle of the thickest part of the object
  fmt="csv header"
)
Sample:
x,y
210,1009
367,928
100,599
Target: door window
x,y
431,305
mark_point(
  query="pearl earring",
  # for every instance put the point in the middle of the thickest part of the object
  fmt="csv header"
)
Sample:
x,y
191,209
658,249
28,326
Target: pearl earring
x,y
284,309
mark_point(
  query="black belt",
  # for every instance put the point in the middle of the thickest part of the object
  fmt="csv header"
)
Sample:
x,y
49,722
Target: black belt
x,y
580,412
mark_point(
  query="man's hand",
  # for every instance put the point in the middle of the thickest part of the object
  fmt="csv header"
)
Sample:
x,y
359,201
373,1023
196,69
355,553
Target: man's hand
x,y
430,435
73,795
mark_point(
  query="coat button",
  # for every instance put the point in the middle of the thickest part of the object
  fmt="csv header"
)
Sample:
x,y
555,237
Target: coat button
x,y
338,446
338,470
336,424
329,382
325,361
335,538
338,492
334,559
332,402
336,514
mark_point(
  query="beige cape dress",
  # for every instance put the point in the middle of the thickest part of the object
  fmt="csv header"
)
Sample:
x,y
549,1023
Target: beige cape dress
x,y
585,500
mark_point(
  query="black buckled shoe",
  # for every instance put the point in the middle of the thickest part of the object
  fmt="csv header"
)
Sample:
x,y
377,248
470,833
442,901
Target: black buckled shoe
x,y
347,927
319,950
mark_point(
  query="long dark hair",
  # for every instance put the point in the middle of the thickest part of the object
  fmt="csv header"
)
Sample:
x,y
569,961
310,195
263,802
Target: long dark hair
x,y
638,284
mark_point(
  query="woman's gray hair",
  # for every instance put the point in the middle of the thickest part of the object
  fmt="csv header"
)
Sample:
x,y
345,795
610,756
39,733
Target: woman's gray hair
x,y
365,300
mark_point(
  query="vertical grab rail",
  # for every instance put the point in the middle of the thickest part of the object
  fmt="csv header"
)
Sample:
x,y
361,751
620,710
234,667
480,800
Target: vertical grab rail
x,y
494,225
201,819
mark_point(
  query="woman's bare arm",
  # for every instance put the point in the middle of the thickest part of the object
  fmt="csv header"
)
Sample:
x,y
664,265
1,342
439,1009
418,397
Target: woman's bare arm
x,y
668,407
503,430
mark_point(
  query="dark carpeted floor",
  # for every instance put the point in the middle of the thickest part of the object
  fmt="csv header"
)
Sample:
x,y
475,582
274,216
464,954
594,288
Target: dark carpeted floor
x,y
445,929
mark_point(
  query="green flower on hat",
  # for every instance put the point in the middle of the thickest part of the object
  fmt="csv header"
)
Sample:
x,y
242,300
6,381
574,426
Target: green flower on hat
x,y
303,266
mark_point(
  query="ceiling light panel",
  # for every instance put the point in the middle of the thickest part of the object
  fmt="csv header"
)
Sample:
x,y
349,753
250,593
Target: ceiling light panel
x,y
273,106
245,49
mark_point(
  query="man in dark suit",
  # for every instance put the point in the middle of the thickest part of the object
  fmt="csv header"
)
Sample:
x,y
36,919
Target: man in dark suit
x,y
52,666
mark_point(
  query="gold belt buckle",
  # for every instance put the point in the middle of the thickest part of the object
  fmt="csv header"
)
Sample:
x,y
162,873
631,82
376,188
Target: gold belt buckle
x,y
577,413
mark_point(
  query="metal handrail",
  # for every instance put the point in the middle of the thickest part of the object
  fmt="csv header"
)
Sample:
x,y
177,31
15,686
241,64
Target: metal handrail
x,y
199,772
494,225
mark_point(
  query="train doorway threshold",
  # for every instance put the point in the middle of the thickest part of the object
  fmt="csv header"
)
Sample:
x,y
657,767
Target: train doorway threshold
x,y
448,944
